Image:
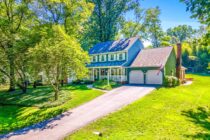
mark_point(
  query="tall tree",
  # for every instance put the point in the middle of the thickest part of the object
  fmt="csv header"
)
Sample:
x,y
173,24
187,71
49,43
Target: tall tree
x,y
72,14
199,9
59,55
180,33
153,26
134,27
14,17
165,41
105,20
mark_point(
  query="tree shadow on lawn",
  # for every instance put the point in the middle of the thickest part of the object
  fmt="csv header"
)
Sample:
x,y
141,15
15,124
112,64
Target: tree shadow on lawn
x,y
34,97
200,117
47,124
31,98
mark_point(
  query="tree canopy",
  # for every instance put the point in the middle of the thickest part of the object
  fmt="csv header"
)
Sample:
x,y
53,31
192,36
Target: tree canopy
x,y
58,56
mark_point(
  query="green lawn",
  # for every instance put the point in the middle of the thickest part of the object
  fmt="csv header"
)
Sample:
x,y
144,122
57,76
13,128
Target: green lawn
x,y
167,113
37,105
103,84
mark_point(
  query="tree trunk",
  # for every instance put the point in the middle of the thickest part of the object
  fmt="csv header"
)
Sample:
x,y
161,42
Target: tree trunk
x,y
12,74
34,85
23,86
56,94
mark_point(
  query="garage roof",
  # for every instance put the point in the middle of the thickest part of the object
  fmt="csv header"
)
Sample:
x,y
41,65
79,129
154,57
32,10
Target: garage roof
x,y
156,57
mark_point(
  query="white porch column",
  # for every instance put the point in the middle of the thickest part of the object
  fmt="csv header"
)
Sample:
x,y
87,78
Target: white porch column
x,y
99,72
121,75
93,76
108,73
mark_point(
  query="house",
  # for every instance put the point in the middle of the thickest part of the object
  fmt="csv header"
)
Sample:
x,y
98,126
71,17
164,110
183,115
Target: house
x,y
127,61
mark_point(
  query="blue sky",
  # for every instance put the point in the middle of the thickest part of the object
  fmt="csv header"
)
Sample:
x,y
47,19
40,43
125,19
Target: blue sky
x,y
173,13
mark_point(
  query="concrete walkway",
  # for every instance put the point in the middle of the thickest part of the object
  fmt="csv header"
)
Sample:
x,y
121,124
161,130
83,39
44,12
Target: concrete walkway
x,y
70,121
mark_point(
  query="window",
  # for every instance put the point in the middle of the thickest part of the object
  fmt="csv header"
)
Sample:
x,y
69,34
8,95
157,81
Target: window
x,y
103,58
94,58
121,56
113,71
111,57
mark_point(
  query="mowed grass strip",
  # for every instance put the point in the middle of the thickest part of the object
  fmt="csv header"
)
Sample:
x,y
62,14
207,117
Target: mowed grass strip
x,y
176,113
39,105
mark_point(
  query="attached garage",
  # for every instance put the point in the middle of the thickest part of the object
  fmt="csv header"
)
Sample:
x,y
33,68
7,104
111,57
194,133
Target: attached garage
x,y
154,77
136,77
155,63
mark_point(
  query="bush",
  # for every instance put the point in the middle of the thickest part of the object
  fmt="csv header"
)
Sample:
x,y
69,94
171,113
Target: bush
x,y
102,84
79,82
171,81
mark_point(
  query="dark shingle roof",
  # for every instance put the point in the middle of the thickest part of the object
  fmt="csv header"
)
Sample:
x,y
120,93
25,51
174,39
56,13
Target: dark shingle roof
x,y
106,64
112,46
156,57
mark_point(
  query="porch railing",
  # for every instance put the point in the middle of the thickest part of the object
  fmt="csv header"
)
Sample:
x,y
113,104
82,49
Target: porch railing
x,y
117,78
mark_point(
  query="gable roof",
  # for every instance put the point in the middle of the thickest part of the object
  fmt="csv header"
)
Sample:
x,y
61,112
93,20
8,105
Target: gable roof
x,y
156,57
113,46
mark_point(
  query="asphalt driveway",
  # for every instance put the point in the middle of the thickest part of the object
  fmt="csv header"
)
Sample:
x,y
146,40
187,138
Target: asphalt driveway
x,y
72,120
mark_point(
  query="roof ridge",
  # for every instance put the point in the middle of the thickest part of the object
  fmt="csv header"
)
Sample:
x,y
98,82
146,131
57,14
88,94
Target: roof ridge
x,y
117,39
157,48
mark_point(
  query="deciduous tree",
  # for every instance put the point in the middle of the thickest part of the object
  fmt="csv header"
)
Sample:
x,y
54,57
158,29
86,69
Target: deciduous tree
x,y
153,26
105,20
199,9
180,33
59,55
14,17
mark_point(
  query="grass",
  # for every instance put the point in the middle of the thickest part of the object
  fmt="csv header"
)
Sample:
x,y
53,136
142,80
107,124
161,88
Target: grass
x,y
20,110
176,113
102,84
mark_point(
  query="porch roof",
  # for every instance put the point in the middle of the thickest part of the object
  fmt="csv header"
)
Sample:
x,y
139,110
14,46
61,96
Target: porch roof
x,y
106,64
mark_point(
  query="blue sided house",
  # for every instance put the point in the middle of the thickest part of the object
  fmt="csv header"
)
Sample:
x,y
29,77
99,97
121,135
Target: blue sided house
x,y
127,61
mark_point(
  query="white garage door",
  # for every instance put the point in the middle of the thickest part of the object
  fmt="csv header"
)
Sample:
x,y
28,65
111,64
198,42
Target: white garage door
x,y
154,77
136,77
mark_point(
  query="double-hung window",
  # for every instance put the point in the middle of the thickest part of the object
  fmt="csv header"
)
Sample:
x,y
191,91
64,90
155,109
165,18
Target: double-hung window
x,y
94,58
111,57
103,58
120,56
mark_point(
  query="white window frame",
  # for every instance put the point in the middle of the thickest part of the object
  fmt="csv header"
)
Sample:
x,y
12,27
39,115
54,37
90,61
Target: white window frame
x,y
110,56
100,58
94,58
123,56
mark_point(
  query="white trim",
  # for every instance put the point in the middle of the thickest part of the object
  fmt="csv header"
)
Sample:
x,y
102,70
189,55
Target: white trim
x,y
109,52
109,57
108,67
132,43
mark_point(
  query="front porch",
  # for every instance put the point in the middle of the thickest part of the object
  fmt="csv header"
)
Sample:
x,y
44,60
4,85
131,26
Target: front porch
x,y
117,74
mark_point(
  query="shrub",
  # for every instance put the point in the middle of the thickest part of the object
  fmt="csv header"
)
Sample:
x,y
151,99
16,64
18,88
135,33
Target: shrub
x,y
79,82
171,81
